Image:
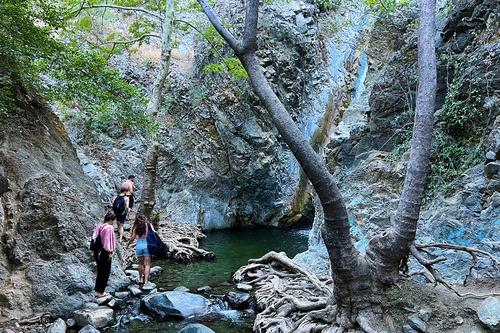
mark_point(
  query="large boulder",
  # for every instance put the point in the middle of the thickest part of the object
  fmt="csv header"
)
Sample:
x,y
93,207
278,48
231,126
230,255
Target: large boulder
x,y
99,317
196,328
489,313
175,304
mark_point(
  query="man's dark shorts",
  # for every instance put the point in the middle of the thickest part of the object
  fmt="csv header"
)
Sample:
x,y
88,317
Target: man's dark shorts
x,y
121,219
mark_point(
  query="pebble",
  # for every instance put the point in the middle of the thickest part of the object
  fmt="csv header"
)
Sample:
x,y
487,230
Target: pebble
x,y
103,300
59,326
244,287
204,289
425,314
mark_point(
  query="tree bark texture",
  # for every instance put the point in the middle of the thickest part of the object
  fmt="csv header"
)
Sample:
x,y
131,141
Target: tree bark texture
x,y
150,169
386,251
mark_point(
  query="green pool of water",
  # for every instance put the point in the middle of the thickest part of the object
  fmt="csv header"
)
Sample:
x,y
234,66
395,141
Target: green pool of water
x,y
232,249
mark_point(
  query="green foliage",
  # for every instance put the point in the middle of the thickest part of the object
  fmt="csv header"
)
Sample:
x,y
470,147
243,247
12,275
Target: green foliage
x,y
65,73
231,66
328,5
462,113
386,6
141,27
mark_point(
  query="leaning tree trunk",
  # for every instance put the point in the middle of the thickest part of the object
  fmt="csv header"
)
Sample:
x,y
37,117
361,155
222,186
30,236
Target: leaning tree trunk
x,y
387,250
356,287
350,272
151,166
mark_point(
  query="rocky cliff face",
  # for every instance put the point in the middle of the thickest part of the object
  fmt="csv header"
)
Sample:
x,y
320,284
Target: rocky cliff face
x,y
48,210
369,159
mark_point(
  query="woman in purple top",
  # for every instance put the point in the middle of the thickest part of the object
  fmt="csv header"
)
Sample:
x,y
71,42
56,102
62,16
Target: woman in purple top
x,y
103,257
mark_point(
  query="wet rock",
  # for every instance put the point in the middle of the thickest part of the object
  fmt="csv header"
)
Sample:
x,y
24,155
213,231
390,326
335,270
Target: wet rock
x,y
490,156
489,313
244,287
122,294
196,328
156,270
175,304
204,289
88,329
103,300
59,326
238,301
148,286
416,323
182,288
100,317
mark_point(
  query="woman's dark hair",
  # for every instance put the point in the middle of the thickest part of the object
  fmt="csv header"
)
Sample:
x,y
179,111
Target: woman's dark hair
x,y
140,229
110,216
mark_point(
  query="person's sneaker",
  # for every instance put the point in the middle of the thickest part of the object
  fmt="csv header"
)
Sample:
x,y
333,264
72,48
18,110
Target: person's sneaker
x,y
149,286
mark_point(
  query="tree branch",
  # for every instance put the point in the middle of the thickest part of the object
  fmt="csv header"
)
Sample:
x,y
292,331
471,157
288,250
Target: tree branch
x,y
134,9
228,37
131,41
251,21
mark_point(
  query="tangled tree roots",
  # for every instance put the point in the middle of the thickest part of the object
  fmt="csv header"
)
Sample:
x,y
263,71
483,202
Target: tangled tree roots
x,y
289,298
182,241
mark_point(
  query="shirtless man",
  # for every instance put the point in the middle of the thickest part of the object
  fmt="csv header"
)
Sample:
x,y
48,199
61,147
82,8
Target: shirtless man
x,y
129,188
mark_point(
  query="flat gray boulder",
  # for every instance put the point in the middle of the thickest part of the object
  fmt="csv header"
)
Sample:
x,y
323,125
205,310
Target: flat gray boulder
x,y
196,328
489,313
175,304
99,317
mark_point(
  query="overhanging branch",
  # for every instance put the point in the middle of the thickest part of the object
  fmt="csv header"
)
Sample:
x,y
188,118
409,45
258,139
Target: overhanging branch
x,y
133,9
228,37
132,41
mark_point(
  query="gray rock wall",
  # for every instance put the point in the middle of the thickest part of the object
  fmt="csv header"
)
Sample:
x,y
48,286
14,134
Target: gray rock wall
x,y
48,210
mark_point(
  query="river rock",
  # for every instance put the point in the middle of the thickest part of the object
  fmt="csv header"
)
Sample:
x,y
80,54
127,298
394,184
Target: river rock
x,y
122,294
244,287
135,290
182,288
238,301
407,329
71,322
156,270
196,328
88,329
117,303
204,289
489,313
59,326
148,286
100,317
425,314
103,300
175,304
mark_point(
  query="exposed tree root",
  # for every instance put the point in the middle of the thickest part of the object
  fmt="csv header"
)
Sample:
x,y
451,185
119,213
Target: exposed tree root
x,y
181,240
433,275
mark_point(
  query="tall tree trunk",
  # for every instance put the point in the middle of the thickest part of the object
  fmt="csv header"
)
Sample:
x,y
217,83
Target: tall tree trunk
x,y
356,279
387,250
151,166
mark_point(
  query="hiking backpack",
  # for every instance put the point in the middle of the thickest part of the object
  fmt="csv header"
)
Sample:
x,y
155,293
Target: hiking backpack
x,y
96,244
119,206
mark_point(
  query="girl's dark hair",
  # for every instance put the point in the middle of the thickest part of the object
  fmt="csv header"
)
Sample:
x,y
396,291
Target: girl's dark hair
x,y
140,229
110,216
